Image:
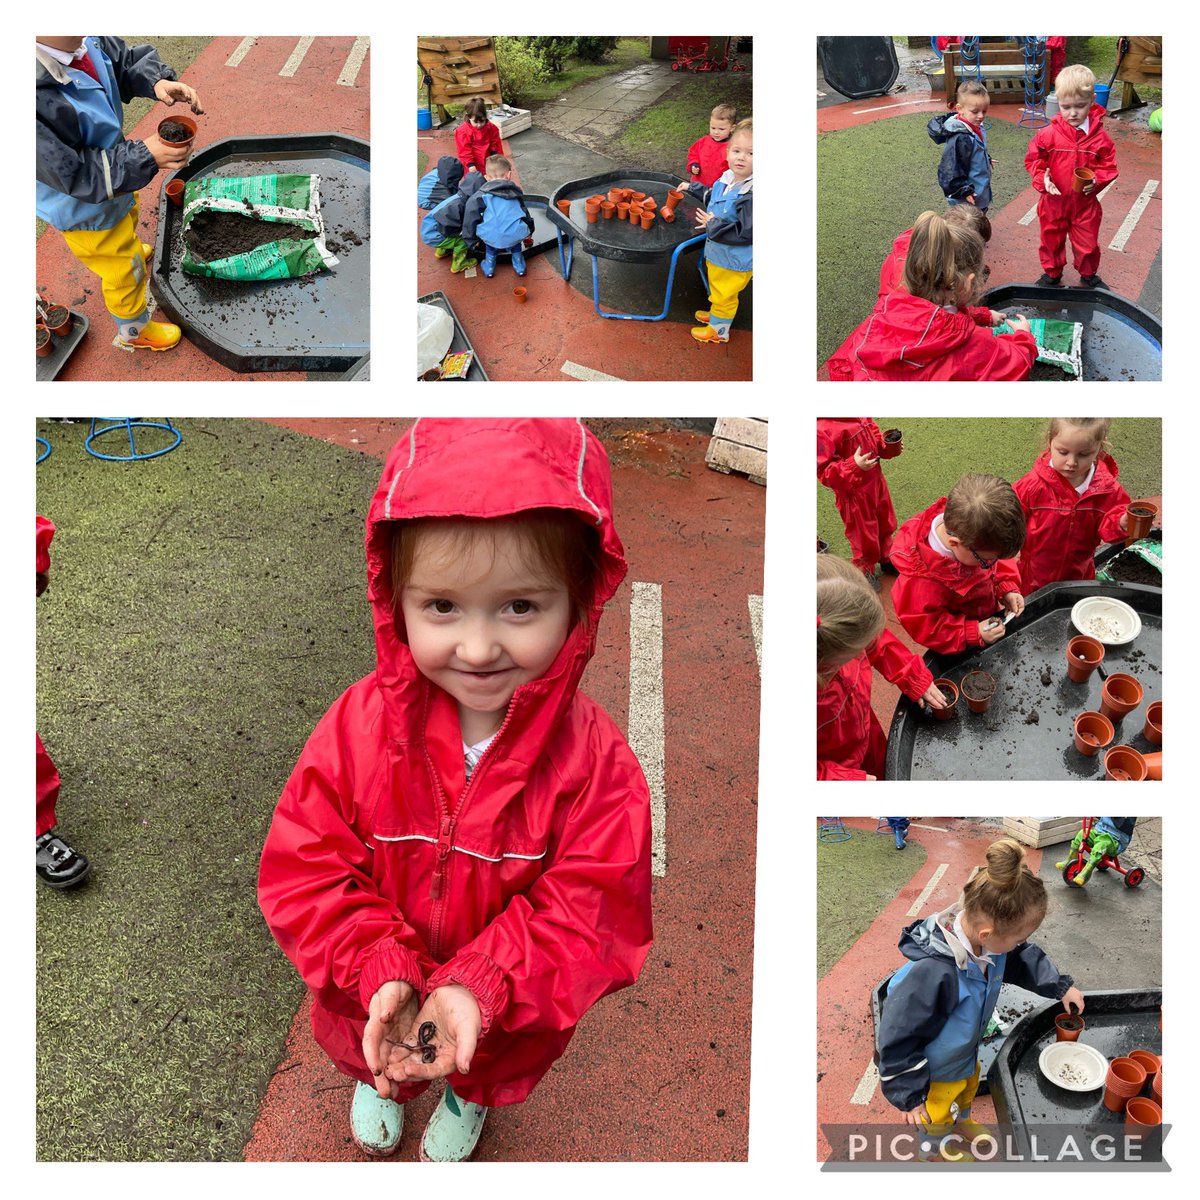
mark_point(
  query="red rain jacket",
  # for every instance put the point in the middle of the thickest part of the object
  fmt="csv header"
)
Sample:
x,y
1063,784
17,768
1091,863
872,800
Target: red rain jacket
x,y
1063,528
531,884
1058,147
862,497
909,338
473,146
851,743
891,276
45,531
708,160
939,600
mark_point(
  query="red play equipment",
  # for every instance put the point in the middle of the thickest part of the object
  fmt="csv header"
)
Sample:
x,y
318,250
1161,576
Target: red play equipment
x,y
1133,876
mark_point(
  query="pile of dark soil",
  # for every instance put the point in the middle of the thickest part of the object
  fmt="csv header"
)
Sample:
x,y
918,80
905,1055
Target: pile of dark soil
x,y
216,235
172,131
1133,568
1044,372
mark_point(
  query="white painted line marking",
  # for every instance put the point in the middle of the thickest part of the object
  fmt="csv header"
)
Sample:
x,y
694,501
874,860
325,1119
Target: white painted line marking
x,y
919,902
936,828
588,374
1135,215
243,48
902,104
866,1085
354,63
755,603
646,709
293,64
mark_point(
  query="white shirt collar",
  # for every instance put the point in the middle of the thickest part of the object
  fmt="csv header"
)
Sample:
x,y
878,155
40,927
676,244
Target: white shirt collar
x,y
937,543
63,56
1083,487
980,960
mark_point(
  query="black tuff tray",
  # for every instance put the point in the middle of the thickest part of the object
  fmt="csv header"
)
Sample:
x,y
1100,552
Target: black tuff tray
x,y
620,240
1003,743
1116,1022
544,234
858,67
319,323
460,342
1122,342
49,367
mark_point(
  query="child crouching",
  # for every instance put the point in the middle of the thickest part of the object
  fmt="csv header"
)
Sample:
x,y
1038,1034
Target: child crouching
x,y
496,215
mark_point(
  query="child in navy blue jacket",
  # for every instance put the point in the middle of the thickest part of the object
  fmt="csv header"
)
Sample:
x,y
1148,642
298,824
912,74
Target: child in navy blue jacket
x,y
439,184
965,172
442,228
939,1003
728,219
88,175
496,216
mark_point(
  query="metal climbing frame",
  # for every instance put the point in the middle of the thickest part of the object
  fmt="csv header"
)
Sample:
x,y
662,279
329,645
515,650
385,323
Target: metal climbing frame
x,y
1033,112
45,453
106,425
832,829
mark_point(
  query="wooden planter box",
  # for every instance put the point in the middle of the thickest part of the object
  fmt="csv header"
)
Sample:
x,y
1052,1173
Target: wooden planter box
x,y
1042,831
739,444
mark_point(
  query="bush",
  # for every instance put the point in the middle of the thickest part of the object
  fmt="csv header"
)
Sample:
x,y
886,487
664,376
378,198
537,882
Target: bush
x,y
594,49
554,51
519,67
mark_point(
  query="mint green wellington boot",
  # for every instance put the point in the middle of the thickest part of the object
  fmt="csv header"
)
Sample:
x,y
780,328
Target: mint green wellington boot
x,y
453,1130
375,1123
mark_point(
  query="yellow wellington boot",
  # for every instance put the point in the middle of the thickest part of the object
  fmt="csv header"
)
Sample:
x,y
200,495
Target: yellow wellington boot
x,y
701,315
155,335
706,333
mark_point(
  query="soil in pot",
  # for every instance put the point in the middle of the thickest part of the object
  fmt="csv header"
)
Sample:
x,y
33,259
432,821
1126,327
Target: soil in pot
x,y
57,319
1068,1028
43,342
950,691
978,687
173,131
216,235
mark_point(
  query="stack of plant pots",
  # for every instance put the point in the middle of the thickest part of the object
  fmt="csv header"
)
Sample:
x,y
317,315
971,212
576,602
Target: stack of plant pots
x,y
1124,1080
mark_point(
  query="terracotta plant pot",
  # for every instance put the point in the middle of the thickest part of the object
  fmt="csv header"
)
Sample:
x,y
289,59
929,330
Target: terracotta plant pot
x,y
520,295
674,195
1093,732
43,342
608,208
1084,655
623,211
1141,1115
58,320
647,219
639,196
1068,1027
1082,178
950,691
593,202
1156,1085
1123,1081
1149,1061
1152,730
893,443
186,122
593,214
667,213
1123,764
1141,517
635,211
174,191
649,202
615,194
564,207
1153,762
1120,695
978,688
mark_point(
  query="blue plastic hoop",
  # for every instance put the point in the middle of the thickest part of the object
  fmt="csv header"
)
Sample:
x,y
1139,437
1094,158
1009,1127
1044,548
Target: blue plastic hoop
x,y
128,424
45,454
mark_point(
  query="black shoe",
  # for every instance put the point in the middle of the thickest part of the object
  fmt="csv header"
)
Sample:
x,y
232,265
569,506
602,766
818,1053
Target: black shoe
x,y
58,866
1093,281
1050,280
887,568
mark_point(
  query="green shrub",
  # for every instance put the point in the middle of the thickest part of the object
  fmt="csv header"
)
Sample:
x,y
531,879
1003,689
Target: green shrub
x,y
519,67
593,49
554,51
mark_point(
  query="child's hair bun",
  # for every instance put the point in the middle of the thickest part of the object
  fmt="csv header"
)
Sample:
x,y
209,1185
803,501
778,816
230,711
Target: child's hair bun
x,y
1005,859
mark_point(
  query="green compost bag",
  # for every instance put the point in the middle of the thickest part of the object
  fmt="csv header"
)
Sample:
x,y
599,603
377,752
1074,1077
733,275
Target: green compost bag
x,y
1148,550
290,201
1059,342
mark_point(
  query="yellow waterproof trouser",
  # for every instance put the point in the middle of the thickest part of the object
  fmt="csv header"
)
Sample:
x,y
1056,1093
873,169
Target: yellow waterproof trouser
x,y
723,289
942,1095
116,256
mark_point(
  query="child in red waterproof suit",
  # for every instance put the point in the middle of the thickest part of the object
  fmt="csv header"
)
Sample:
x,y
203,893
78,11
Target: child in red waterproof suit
x,y
955,566
848,450
923,330
1075,138
459,865
851,641
476,139
1072,503
707,157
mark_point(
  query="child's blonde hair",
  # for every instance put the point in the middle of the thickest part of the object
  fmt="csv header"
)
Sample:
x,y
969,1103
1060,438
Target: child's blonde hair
x,y
970,216
1075,80
725,112
849,614
1005,891
496,166
941,256
1096,427
972,87
555,544
983,510
746,126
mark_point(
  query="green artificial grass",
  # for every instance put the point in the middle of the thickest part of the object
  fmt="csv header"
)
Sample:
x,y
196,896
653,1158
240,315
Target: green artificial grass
x,y
938,450
659,138
204,610
422,163
856,881
873,181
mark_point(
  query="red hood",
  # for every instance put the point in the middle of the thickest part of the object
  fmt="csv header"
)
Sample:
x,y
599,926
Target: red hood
x,y
1104,480
486,468
913,555
905,330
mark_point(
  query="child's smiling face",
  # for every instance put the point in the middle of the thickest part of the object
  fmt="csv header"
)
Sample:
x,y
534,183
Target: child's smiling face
x,y
481,622
1072,453
1074,109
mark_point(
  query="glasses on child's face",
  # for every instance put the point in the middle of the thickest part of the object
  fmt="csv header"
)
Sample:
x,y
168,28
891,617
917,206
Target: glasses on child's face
x,y
986,563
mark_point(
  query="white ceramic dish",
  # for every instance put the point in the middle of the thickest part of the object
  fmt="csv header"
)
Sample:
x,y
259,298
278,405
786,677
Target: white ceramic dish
x,y
1125,619
1084,1066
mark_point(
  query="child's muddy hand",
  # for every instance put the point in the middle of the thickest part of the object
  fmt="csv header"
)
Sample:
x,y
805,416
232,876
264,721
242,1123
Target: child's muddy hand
x,y
1014,603
991,630
392,1009
1072,998
933,697
171,91
453,1012
864,460
167,155
1048,184
998,318
918,1116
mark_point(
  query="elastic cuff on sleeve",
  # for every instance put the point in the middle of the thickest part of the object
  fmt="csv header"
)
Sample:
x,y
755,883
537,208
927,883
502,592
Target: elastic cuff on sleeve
x,y
389,960
482,978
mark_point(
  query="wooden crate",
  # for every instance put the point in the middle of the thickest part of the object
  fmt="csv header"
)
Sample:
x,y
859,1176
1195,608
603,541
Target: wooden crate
x,y
460,67
739,444
1042,831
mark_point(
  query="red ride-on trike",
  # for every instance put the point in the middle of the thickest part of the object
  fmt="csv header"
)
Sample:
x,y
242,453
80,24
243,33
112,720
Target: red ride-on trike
x,y
1133,876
